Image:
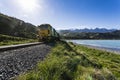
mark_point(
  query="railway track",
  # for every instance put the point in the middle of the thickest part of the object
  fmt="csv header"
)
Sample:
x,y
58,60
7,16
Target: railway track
x,y
10,47
17,59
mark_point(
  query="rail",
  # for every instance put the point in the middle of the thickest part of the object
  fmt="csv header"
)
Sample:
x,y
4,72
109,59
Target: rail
x,y
10,47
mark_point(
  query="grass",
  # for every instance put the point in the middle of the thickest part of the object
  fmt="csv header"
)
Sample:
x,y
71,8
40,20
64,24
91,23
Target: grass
x,y
10,40
68,61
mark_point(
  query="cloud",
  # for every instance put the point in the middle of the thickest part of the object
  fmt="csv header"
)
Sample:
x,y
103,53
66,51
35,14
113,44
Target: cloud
x,y
0,5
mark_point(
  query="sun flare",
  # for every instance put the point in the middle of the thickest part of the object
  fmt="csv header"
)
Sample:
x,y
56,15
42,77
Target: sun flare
x,y
29,5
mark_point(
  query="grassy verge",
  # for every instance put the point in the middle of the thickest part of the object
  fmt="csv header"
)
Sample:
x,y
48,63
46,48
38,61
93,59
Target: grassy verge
x,y
10,40
68,61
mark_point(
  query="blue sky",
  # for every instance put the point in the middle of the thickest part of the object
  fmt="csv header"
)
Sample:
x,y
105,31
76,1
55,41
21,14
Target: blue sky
x,y
65,14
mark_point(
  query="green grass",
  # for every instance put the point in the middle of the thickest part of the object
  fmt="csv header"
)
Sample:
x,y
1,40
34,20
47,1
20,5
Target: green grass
x,y
10,40
68,61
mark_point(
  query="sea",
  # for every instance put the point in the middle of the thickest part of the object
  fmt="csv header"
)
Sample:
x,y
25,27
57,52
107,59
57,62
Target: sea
x,y
113,45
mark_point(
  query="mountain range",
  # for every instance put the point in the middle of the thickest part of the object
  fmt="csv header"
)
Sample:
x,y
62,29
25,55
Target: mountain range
x,y
98,30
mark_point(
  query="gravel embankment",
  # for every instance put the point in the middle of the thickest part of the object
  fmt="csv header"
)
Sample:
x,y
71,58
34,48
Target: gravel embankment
x,y
14,62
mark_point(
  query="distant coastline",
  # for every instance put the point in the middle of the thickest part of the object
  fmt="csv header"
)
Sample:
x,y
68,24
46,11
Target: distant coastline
x,y
108,49
113,50
91,39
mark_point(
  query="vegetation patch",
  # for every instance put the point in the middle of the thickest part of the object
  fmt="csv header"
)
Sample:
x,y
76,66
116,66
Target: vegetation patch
x,y
16,27
66,34
68,61
10,40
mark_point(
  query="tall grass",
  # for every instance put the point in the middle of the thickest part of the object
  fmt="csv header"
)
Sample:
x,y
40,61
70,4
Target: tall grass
x,y
73,62
106,59
10,40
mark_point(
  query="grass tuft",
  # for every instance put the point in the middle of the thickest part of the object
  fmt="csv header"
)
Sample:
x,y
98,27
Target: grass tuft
x,y
68,61
10,40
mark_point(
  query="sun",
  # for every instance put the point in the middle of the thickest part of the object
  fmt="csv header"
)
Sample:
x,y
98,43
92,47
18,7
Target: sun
x,y
28,5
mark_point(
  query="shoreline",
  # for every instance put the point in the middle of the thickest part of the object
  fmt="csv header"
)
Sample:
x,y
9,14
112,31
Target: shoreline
x,y
113,50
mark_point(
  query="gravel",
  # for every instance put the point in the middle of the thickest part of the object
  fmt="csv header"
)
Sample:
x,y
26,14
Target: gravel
x,y
14,62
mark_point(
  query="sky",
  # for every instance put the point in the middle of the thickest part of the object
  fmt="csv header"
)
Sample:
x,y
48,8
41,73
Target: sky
x,y
65,14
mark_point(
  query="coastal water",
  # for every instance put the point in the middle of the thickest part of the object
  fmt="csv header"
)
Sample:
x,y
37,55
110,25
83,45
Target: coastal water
x,y
110,44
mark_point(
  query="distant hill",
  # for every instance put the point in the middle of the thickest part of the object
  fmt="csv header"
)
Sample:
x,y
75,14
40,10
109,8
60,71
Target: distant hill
x,y
16,27
94,34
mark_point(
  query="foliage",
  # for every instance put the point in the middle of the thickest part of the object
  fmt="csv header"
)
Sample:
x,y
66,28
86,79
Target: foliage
x,y
10,40
74,62
15,27
90,35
